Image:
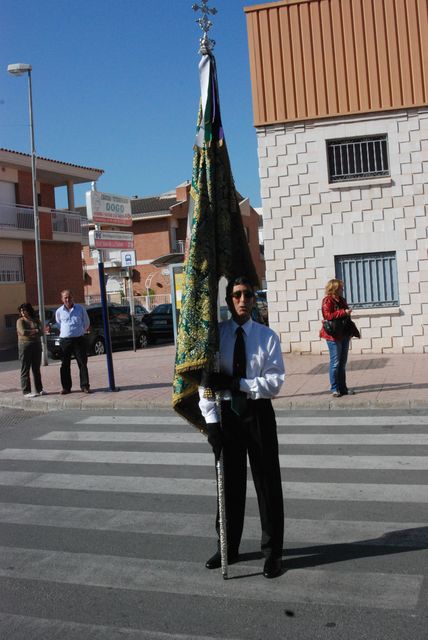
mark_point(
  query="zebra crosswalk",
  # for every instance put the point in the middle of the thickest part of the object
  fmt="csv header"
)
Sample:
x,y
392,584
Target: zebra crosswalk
x,y
123,505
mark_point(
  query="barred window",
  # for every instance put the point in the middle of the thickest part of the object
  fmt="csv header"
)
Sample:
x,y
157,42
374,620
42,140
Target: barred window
x,y
370,279
10,320
11,269
357,158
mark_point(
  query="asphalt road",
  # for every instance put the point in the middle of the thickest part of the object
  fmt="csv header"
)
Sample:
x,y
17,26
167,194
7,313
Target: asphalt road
x,y
106,521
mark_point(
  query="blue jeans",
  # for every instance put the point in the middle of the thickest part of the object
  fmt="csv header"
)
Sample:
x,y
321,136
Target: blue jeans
x,y
338,358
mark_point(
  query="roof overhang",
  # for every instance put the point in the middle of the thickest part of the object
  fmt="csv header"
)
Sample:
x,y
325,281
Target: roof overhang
x,y
169,258
151,216
52,172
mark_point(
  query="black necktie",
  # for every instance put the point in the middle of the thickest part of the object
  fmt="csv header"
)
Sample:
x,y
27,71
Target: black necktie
x,y
239,399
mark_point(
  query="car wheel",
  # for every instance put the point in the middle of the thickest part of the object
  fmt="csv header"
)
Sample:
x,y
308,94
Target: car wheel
x,y
142,341
98,347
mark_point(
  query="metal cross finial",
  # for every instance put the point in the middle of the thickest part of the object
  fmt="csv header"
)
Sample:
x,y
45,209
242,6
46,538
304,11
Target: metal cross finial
x,y
206,44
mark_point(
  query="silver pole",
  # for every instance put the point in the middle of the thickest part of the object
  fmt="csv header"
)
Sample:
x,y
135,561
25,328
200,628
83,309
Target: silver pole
x,y
222,521
37,244
222,515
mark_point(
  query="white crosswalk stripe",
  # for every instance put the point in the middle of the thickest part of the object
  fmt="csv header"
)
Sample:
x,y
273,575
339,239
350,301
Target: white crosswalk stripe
x,y
184,577
174,461
297,421
24,627
203,487
196,438
327,532
205,459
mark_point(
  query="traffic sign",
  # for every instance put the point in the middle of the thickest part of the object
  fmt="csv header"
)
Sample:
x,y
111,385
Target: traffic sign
x,y
128,258
111,240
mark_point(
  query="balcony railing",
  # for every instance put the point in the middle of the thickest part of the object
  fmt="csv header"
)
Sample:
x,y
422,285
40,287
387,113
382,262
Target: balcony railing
x,y
16,217
179,246
63,222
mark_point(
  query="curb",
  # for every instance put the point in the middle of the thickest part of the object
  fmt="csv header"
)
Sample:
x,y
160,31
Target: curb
x,y
96,404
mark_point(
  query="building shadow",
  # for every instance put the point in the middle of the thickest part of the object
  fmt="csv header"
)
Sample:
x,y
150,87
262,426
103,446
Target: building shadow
x,y
141,387
368,388
353,365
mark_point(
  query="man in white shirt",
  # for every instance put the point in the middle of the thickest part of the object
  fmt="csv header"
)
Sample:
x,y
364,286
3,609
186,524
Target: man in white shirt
x,y
73,322
251,373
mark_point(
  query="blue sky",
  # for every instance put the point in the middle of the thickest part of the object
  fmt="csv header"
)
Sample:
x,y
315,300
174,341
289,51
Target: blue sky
x,y
116,86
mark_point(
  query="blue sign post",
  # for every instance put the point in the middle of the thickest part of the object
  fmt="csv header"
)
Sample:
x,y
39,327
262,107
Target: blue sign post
x,y
106,324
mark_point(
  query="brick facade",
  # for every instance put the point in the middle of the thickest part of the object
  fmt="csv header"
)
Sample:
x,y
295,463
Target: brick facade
x,y
307,222
62,269
155,237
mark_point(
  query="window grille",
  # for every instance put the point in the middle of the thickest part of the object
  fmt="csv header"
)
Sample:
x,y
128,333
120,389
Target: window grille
x,y
370,279
11,269
357,158
10,320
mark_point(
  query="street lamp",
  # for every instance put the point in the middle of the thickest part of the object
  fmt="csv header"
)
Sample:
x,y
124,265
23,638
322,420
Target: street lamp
x,y
17,70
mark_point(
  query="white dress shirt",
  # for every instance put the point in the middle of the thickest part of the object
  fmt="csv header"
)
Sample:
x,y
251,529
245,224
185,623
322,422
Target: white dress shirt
x,y
265,366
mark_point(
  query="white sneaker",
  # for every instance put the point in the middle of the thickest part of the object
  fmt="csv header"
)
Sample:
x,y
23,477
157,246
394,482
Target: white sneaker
x,y
30,395
42,393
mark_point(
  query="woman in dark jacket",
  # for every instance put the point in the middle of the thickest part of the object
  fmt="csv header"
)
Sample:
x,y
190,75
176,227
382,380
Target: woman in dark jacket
x,y
29,332
334,306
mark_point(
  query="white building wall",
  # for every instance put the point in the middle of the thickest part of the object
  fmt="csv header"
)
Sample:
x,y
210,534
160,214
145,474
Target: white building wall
x,y
307,222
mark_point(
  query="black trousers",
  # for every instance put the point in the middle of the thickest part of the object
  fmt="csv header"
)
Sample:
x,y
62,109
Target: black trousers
x,y
30,354
255,434
74,347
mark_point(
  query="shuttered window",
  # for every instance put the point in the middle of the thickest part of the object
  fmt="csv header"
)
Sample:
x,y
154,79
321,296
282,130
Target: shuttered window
x,y
357,158
370,279
11,269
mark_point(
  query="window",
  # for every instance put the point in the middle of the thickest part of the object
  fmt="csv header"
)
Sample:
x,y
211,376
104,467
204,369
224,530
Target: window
x,y
11,269
370,279
10,320
357,158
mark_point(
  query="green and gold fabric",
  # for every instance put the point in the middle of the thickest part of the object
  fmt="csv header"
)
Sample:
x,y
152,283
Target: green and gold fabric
x,y
216,246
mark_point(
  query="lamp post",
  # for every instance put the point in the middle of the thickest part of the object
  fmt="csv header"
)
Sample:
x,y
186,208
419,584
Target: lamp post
x,y
17,70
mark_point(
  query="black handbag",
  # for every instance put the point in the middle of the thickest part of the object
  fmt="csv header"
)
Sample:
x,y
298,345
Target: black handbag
x,y
340,327
334,328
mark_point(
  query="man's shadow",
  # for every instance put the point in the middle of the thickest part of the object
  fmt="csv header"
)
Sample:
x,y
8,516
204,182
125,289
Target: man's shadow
x,y
393,542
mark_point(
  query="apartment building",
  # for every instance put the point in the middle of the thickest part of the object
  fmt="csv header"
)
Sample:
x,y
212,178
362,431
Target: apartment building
x,y
159,227
340,99
60,234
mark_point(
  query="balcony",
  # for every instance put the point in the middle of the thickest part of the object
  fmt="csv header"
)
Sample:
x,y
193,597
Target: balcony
x,y
179,246
66,222
17,221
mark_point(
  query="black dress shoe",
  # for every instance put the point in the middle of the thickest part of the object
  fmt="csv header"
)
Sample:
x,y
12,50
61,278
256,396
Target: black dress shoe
x,y
272,567
64,392
215,561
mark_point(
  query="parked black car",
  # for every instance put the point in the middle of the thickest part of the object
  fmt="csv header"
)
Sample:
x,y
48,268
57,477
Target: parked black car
x,y
160,323
262,304
140,312
120,331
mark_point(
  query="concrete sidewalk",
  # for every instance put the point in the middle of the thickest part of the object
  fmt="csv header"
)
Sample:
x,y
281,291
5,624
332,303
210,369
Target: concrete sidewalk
x,y
144,381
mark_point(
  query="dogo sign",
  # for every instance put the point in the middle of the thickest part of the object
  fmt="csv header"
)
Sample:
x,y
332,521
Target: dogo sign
x,y
106,208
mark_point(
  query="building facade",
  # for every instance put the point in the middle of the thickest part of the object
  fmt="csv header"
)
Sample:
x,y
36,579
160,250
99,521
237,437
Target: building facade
x,y
159,227
60,234
340,95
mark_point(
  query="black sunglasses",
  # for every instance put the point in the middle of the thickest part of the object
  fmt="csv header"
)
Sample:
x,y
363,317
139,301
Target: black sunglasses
x,y
247,294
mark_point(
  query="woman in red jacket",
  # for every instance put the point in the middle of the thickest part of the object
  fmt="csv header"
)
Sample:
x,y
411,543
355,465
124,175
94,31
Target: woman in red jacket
x,y
335,306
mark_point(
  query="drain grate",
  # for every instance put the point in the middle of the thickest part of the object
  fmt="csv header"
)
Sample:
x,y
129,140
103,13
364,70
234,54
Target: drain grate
x,y
14,417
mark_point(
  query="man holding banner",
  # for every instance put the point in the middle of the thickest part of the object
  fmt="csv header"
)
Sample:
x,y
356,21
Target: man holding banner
x,y
217,246
251,373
